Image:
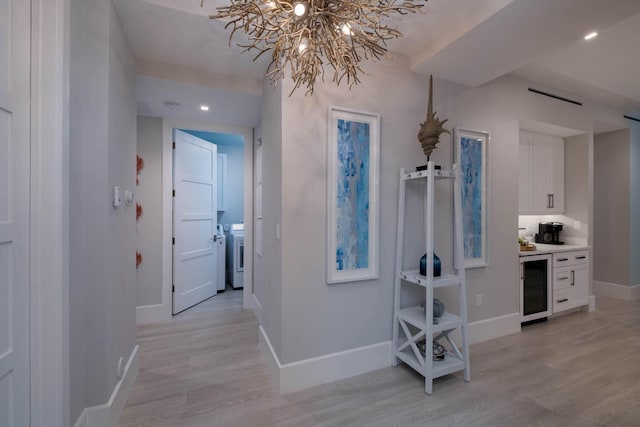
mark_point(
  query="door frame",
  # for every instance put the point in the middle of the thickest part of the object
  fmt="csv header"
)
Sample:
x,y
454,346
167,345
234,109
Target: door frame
x,y
49,213
167,224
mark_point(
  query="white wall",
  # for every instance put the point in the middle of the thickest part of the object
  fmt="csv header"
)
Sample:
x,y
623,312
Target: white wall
x,y
488,109
268,274
102,239
576,183
149,195
319,318
122,170
611,240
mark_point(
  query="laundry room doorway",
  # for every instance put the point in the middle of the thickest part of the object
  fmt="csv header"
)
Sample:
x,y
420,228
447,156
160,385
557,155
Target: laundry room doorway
x,y
231,226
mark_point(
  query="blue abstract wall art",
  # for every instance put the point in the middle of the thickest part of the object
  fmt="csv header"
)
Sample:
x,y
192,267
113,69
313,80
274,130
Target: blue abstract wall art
x,y
353,165
471,157
471,169
352,204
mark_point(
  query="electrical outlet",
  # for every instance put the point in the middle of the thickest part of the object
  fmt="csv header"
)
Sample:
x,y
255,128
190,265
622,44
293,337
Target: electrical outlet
x,y
479,300
577,225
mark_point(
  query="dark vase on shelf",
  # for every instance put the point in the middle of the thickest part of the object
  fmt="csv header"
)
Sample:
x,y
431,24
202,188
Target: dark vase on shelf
x,y
424,168
437,266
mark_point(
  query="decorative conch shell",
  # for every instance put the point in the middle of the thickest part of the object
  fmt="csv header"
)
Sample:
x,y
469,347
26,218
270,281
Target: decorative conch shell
x,y
430,129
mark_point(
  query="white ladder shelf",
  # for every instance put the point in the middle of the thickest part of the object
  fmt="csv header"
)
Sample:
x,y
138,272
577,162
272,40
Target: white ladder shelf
x,y
414,322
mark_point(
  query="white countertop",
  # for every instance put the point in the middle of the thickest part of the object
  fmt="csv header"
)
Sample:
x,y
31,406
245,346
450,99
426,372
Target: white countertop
x,y
549,249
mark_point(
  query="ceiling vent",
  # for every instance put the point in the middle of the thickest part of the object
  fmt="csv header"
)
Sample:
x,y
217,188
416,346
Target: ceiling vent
x,y
558,97
172,105
635,119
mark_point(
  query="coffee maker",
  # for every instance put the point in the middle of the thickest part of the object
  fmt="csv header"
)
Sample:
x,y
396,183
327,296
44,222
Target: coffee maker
x,y
549,233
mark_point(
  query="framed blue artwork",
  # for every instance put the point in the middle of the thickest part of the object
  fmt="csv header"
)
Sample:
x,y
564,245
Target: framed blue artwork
x,y
353,167
471,157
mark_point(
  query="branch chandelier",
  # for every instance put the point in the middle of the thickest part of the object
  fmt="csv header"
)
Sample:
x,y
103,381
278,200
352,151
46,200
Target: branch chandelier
x,y
303,34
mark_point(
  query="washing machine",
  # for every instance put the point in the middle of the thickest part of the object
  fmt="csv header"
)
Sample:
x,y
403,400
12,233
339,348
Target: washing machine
x,y
236,253
221,257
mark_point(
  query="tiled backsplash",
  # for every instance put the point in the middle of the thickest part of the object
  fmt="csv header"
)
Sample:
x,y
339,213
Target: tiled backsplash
x,y
569,234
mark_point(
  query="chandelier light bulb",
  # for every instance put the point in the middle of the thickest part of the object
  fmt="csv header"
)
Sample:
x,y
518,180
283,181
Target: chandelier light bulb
x,y
304,44
300,9
270,4
346,29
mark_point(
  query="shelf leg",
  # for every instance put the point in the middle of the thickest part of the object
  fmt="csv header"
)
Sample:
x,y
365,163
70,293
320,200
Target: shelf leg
x,y
428,386
399,243
459,257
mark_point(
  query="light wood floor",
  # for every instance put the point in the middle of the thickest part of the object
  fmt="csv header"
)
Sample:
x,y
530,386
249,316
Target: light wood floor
x,y
204,369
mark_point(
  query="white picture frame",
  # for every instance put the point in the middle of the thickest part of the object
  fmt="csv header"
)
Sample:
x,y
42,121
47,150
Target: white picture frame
x,y
353,186
471,148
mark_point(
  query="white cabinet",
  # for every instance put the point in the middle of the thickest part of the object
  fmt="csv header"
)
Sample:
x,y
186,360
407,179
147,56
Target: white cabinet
x,y
570,280
541,174
221,184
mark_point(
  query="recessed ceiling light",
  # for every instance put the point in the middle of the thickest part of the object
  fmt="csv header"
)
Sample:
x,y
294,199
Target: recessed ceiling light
x,y
204,108
591,35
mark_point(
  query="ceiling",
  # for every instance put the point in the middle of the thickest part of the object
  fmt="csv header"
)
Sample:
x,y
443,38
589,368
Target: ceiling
x,y
469,42
231,108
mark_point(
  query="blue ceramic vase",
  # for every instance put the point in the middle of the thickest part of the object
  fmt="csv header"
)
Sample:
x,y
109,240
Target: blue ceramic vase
x,y
437,266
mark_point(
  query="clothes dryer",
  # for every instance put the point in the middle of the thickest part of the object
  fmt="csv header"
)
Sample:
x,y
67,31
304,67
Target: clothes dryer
x,y
236,236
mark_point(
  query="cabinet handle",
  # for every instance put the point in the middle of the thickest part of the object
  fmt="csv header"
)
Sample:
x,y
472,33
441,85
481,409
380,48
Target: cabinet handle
x,y
573,278
581,257
562,300
563,259
549,201
562,278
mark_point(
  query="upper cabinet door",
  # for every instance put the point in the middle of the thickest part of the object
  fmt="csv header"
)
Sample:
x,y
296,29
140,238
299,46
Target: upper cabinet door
x,y
555,153
541,174
525,174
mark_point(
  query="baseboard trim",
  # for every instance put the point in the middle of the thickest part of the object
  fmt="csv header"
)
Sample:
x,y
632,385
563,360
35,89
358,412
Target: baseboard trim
x,y
333,367
257,309
295,376
107,415
269,356
614,290
307,373
82,419
495,327
488,329
155,313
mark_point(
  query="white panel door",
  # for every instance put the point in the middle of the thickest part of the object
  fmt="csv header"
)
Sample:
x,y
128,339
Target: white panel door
x,y
194,220
15,30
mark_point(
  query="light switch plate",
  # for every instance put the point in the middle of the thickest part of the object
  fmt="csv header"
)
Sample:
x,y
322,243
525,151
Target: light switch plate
x,y
117,196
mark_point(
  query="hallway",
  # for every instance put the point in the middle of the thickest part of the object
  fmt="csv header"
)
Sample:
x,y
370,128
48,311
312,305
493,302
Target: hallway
x,y
204,369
